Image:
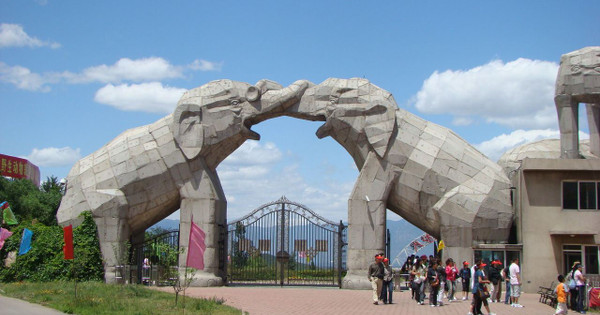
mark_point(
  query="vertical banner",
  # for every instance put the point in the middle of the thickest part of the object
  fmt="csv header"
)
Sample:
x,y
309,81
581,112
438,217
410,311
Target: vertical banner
x,y
25,241
68,238
4,234
196,247
8,217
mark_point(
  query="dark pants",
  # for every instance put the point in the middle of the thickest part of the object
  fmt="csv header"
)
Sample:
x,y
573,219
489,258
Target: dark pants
x,y
433,295
386,291
581,298
477,303
574,294
507,296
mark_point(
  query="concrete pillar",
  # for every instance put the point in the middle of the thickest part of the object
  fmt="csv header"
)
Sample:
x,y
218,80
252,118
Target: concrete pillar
x,y
593,114
568,122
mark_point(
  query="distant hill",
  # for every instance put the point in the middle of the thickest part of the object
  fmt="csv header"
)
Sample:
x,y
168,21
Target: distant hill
x,y
401,234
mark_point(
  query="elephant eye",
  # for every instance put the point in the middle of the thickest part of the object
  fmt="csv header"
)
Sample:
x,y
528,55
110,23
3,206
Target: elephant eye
x,y
234,102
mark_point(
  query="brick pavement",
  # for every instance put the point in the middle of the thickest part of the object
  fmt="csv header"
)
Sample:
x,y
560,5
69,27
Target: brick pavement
x,y
312,300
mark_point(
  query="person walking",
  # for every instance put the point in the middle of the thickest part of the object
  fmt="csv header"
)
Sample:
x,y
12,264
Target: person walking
x,y
515,283
465,277
375,276
581,292
480,293
561,291
388,282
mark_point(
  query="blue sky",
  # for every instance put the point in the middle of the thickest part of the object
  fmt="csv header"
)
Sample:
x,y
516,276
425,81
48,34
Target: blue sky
x,y
75,74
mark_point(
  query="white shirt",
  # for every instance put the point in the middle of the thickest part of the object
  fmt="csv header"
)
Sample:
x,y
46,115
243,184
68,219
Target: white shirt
x,y
578,276
514,271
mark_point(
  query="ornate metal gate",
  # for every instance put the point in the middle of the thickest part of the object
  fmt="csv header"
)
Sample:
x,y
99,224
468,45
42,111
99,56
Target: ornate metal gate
x,y
285,243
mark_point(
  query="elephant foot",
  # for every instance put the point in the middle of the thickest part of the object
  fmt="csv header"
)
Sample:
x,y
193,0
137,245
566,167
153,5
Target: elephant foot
x,y
356,280
204,279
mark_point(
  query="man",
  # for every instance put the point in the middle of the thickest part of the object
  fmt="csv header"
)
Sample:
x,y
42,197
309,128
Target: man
x,y
388,282
515,283
375,276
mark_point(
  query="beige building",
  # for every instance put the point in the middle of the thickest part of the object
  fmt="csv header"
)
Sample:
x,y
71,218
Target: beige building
x,y
557,212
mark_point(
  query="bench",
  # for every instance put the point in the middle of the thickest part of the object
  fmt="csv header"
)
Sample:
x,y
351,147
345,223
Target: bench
x,y
547,295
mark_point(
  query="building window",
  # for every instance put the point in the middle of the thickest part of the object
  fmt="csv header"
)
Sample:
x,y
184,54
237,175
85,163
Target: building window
x,y
580,195
573,253
504,256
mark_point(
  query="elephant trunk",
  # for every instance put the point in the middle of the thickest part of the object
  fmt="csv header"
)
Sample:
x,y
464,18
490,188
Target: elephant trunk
x,y
274,102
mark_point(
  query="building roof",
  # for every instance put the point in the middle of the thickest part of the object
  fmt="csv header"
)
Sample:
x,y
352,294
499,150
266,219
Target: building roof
x,y
547,149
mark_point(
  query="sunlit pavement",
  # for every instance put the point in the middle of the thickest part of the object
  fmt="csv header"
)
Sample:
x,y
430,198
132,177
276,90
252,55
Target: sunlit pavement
x,y
311,300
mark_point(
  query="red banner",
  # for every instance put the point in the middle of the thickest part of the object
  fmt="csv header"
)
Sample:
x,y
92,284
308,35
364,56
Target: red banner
x,y
15,167
68,238
595,297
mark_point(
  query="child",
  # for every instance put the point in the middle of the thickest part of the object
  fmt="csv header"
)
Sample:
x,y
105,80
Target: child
x,y
562,292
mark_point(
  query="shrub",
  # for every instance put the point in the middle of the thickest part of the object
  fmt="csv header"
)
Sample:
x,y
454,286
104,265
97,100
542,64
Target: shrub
x,y
44,261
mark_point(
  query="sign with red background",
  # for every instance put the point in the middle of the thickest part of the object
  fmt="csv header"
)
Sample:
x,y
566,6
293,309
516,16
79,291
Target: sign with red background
x,y
15,167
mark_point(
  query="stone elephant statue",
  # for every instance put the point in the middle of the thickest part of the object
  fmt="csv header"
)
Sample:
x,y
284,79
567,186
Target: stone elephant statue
x,y
422,171
147,173
578,81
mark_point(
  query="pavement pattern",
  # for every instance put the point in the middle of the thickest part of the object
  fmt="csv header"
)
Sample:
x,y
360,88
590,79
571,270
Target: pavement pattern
x,y
311,300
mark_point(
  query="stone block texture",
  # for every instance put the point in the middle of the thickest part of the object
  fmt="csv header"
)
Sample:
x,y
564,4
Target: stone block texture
x,y
422,171
578,81
147,173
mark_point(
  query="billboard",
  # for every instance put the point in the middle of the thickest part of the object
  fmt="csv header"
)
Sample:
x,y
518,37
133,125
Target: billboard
x,y
15,167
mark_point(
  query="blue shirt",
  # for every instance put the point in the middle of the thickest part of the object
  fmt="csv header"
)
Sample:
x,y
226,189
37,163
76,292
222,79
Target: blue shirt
x,y
476,285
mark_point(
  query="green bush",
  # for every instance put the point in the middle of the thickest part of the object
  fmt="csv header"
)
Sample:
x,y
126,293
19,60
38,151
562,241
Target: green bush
x,y
44,261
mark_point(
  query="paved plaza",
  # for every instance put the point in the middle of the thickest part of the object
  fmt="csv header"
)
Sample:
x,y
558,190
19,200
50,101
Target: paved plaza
x,y
311,300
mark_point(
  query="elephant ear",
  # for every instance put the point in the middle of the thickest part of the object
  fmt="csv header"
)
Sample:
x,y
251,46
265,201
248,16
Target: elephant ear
x,y
380,123
188,129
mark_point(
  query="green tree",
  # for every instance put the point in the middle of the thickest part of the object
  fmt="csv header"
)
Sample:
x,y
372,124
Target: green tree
x,y
240,258
29,202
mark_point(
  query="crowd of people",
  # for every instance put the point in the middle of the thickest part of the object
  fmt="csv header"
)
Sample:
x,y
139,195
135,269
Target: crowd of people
x,y
575,289
439,279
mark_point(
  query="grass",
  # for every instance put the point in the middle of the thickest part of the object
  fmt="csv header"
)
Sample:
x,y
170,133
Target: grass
x,y
101,298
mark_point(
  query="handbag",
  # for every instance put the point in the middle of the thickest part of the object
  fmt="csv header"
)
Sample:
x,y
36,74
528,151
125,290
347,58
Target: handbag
x,y
572,284
484,293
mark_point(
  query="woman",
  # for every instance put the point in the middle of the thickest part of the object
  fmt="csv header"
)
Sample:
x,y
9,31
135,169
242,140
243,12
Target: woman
x,y
418,274
451,273
573,299
479,289
434,282
581,293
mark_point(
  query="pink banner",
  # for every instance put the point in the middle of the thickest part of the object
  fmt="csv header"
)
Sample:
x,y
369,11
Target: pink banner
x,y
196,247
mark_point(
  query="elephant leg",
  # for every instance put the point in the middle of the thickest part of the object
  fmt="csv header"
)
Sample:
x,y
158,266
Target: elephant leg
x,y
456,222
203,201
568,121
593,114
110,210
366,220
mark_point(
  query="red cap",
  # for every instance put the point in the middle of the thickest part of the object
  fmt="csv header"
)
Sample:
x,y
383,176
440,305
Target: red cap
x,y
385,260
483,265
465,263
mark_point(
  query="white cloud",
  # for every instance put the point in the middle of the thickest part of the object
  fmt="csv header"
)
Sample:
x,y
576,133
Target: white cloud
x,y
256,174
495,147
517,94
13,35
125,69
146,97
23,78
50,157
204,65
